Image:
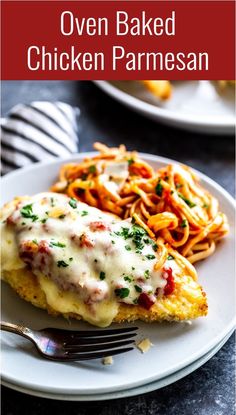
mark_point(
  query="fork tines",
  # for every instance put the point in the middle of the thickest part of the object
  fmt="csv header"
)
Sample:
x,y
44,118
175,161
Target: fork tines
x,y
98,355
99,333
94,344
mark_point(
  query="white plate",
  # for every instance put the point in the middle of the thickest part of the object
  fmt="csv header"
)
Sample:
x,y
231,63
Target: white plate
x,y
175,345
194,105
128,392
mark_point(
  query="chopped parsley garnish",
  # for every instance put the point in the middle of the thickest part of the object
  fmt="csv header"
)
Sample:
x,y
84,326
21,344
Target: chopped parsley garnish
x,y
125,233
183,223
84,213
159,188
62,216
178,186
205,205
73,203
149,241
130,161
71,259
102,275
113,242
35,242
127,278
128,248
138,236
44,220
122,292
170,257
147,273
138,289
92,169
135,301
52,201
62,264
154,246
150,256
23,223
187,201
57,244
27,212
133,268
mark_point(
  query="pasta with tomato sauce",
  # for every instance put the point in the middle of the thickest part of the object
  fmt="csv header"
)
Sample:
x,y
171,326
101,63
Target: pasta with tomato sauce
x,y
169,203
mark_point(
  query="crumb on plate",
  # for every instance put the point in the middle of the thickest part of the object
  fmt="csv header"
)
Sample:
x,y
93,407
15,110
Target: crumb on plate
x,y
108,360
144,345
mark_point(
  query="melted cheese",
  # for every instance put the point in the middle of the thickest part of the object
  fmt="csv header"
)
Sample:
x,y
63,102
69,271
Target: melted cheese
x,y
100,314
86,261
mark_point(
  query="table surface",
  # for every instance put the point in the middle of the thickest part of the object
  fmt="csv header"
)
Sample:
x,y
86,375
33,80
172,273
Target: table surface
x,y
210,389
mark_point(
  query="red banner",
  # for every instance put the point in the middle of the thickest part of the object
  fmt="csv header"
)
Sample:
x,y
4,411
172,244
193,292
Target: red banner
x,y
118,40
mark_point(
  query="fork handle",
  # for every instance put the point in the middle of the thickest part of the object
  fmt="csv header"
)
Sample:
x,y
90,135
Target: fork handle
x,y
16,328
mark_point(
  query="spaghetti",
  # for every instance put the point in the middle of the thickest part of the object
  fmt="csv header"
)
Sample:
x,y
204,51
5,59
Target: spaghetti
x,y
168,203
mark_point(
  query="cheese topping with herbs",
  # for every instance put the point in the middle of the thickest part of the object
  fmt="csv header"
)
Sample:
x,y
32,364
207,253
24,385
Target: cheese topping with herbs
x,y
94,257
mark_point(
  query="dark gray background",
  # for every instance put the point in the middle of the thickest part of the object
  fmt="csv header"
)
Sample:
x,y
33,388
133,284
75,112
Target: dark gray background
x,y
210,389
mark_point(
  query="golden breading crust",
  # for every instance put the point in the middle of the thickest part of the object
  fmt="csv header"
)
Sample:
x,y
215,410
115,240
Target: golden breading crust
x,y
188,301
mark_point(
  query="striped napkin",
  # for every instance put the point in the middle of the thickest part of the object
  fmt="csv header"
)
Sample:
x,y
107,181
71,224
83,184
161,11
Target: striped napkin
x,y
38,131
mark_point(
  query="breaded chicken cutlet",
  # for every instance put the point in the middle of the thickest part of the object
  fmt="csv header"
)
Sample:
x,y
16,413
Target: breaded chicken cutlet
x,y
74,260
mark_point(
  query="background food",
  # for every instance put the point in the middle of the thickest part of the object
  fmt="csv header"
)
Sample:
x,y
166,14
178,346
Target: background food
x,y
163,89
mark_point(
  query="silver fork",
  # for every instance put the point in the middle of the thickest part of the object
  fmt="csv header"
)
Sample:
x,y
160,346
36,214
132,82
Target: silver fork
x,y
68,345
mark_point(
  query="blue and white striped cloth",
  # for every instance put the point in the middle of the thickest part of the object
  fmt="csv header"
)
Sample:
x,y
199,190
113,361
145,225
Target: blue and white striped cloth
x,y
37,132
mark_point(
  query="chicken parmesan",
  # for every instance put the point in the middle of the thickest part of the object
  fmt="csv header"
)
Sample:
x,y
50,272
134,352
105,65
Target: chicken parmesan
x,y
76,260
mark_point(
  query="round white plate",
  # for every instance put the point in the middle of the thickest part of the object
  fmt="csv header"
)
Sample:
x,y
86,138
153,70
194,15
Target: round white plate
x,y
195,105
128,392
175,345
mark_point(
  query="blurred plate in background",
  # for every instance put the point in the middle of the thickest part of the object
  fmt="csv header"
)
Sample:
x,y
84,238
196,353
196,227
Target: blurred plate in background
x,y
195,105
